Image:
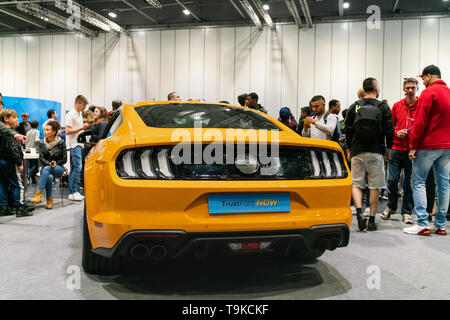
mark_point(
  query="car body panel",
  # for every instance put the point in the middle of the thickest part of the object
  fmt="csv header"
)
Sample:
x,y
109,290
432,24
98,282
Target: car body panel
x,y
116,206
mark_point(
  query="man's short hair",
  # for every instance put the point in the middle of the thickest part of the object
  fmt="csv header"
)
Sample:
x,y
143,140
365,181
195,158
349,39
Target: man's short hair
x,y
224,101
169,96
316,98
369,84
116,104
7,113
306,110
50,113
81,99
332,103
409,80
254,96
34,124
241,99
25,114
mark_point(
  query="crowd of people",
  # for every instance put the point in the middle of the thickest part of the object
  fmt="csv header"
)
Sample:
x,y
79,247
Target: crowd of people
x,y
406,147
53,151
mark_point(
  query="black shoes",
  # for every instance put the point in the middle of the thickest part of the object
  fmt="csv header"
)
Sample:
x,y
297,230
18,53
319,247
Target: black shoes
x,y
361,222
4,211
371,226
22,210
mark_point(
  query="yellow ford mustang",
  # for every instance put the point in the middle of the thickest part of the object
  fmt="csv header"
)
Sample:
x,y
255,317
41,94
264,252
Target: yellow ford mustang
x,y
197,179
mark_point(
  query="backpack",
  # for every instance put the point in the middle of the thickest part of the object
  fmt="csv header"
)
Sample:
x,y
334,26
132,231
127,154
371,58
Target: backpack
x,y
368,121
335,136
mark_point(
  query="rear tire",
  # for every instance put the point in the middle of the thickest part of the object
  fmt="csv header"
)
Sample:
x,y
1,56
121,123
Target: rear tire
x,y
93,263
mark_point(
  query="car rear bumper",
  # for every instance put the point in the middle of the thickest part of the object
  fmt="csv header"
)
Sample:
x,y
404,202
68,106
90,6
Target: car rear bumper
x,y
178,243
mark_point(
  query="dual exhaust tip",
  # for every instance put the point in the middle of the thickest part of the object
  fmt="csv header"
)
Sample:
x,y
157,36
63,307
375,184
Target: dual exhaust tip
x,y
328,244
141,251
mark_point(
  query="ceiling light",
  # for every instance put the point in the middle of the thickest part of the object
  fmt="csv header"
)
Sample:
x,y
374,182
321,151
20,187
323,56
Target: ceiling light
x,y
346,5
186,12
266,7
112,14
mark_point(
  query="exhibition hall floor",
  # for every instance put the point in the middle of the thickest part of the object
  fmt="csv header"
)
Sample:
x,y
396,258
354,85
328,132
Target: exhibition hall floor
x,y
41,259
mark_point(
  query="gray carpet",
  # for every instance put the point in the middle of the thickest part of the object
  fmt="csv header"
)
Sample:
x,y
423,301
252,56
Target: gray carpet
x,y
41,259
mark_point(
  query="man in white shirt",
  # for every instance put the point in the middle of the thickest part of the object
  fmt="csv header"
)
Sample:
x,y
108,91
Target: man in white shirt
x,y
319,127
74,126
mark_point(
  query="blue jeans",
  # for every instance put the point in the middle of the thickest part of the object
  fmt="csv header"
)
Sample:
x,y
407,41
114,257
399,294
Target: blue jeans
x,y
440,161
10,181
400,160
75,169
47,175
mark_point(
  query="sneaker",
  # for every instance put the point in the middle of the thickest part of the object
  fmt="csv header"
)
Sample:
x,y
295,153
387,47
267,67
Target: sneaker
x,y
406,219
371,226
76,197
22,211
441,232
387,213
416,229
361,222
4,211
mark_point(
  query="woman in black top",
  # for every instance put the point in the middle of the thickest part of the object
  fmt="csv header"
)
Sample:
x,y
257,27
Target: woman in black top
x,y
53,156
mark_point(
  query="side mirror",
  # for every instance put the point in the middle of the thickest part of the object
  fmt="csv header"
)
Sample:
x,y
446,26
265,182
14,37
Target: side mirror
x,y
85,136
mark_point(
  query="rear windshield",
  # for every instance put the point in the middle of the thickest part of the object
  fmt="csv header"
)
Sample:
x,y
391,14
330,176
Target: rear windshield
x,y
189,115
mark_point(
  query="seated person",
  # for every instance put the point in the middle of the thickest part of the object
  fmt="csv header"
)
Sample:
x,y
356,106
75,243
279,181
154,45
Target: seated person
x,y
11,166
52,155
30,143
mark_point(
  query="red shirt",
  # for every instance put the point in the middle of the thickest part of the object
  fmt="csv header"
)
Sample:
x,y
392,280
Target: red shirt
x,y
431,128
401,119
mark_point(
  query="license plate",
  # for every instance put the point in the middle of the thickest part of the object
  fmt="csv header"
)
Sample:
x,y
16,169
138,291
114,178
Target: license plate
x,y
248,202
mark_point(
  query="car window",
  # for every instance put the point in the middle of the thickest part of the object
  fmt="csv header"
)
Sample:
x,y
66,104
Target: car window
x,y
113,124
190,115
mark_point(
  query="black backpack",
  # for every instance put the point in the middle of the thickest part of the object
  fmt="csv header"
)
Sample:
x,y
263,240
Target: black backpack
x,y
335,136
368,121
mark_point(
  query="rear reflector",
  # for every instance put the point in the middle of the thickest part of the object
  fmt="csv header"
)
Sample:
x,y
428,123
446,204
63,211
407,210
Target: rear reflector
x,y
249,245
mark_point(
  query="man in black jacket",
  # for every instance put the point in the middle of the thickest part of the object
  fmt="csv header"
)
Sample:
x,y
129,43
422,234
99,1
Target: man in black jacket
x,y
11,166
369,135
252,102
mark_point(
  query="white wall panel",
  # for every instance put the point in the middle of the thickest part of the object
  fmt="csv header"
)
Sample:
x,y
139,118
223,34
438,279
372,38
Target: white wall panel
x,y
46,67
168,63
226,69
285,67
153,65
7,72
196,63
181,65
211,70
289,69
1,63
33,67
429,31
339,63
20,67
374,56
242,63
444,49
410,48
71,69
139,69
84,71
111,69
125,68
356,59
258,45
98,70
391,83
59,67
274,53
306,54
322,74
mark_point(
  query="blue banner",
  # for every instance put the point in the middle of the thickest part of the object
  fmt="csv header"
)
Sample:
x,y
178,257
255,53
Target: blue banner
x,y
248,202
36,108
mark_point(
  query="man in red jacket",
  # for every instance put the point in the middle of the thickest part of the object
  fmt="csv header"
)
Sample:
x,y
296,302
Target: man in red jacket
x,y
403,113
430,147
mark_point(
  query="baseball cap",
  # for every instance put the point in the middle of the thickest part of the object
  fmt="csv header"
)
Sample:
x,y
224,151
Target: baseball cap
x,y
285,113
432,70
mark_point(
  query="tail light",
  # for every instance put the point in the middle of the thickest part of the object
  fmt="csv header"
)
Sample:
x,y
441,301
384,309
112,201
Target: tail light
x,y
144,163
